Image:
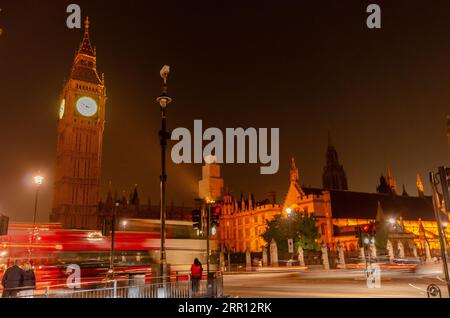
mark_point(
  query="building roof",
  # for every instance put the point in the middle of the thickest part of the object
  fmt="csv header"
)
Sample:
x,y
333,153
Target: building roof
x,y
360,205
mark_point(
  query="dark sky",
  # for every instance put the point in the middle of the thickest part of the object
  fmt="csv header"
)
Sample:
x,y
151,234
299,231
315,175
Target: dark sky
x,y
303,66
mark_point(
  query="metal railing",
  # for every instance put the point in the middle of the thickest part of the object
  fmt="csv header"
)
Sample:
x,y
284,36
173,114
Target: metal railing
x,y
161,287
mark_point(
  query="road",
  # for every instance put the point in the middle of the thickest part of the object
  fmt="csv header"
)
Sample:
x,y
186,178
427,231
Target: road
x,y
334,284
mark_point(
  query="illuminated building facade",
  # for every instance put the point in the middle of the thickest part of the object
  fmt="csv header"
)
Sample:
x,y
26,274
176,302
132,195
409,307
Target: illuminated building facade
x,y
338,211
79,142
243,221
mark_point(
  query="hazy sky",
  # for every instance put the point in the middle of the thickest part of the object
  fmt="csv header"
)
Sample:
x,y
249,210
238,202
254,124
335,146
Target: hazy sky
x,y
305,67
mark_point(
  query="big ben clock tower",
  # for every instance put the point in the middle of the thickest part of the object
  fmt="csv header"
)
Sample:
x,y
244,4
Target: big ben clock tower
x,y
81,121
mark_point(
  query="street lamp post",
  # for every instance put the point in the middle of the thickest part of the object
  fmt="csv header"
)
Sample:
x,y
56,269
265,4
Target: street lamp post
x,y
113,232
163,101
38,180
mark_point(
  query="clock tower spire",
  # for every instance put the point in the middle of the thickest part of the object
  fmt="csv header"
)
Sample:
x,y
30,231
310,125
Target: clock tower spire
x,y
79,141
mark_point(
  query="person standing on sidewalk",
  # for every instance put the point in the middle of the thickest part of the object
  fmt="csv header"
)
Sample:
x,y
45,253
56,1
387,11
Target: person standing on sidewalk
x,y
29,281
12,280
196,275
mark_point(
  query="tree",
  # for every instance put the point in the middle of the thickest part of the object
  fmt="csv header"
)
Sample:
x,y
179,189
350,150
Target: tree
x,y
302,228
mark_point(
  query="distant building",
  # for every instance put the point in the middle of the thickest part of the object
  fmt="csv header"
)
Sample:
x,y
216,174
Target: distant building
x,y
130,207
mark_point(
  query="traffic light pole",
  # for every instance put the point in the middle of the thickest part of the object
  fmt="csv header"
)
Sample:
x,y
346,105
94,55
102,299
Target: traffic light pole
x,y
441,234
113,225
208,230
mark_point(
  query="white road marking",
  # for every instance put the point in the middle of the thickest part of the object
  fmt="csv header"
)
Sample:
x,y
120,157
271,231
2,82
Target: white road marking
x,y
417,287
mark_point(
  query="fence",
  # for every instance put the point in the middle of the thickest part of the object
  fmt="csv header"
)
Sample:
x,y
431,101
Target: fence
x,y
210,286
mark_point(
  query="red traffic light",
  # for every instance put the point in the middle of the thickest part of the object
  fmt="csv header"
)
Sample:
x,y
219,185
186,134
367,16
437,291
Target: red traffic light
x,y
366,228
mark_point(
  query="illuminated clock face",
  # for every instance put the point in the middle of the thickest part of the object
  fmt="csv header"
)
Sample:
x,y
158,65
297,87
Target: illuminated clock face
x,y
62,107
86,106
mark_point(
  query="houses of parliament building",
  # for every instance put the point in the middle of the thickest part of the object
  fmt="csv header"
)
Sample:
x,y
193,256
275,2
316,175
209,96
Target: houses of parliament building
x,y
77,202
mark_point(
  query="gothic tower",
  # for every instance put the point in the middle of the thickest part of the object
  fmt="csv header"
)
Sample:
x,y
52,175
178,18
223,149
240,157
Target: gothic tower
x,y
391,181
210,188
334,176
79,142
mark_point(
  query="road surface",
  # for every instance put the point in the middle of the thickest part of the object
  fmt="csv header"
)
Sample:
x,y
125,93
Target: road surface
x,y
334,284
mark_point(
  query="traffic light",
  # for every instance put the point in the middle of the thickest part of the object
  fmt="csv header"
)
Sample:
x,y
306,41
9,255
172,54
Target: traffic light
x,y
357,231
370,229
358,234
366,228
197,219
4,222
215,213
444,173
373,228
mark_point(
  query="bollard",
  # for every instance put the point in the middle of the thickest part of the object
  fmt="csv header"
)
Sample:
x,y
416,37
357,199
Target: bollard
x,y
114,288
211,285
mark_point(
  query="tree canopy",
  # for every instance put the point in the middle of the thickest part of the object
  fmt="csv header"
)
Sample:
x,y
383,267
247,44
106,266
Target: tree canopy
x,y
301,227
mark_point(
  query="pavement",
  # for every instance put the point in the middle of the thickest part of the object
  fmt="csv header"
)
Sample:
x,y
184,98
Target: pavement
x,y
319,283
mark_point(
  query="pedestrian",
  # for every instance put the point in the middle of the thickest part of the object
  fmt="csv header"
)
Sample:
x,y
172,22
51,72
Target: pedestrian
x,y
12,280
29,281
196,275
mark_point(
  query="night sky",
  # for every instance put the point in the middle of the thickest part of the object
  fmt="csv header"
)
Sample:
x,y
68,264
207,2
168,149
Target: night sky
x,y
305,67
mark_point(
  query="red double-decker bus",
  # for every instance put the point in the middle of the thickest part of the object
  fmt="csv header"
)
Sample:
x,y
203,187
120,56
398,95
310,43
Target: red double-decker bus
x,y
52,249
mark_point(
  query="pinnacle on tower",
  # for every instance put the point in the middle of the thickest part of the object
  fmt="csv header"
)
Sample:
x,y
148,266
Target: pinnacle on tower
x,y
85,46
419,185
404,193
391,181
294,171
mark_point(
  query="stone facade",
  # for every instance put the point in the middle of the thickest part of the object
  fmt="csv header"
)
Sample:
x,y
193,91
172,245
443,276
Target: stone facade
x,y
79,142
211,185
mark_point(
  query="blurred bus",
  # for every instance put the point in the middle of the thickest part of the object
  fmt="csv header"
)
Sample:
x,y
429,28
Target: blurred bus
x,y
52,249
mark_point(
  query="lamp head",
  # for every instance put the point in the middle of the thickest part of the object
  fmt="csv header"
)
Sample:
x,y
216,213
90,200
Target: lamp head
x,y
163,100
38,180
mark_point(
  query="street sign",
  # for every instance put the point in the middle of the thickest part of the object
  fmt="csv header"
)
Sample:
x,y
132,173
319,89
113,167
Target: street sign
x,y
291,245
